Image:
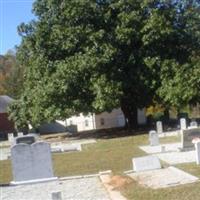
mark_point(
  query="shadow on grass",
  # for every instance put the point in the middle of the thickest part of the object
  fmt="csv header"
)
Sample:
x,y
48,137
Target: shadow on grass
x,y
108,133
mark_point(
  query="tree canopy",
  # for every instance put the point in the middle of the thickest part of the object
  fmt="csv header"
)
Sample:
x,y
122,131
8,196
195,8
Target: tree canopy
x,y
96,55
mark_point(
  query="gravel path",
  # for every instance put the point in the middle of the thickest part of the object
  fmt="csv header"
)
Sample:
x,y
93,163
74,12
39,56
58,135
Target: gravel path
x,y
75,189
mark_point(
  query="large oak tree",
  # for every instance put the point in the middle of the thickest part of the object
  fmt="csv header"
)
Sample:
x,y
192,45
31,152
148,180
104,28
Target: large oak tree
x,y
95,55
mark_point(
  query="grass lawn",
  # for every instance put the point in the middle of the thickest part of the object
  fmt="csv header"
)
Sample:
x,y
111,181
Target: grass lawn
x,y
116,154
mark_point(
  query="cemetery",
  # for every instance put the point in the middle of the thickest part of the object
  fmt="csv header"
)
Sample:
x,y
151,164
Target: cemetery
x,y
54,165
100,100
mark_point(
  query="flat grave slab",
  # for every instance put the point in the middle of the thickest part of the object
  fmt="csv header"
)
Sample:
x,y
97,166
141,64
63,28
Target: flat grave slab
x,y
146,163
178,157
81,188
169,133
66,147
163,178
171,147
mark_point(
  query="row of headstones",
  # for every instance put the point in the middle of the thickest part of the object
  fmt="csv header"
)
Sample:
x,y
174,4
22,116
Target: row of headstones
x,y
11,136
183,125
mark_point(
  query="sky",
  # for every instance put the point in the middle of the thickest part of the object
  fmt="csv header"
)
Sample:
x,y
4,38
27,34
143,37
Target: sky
x,y
12,14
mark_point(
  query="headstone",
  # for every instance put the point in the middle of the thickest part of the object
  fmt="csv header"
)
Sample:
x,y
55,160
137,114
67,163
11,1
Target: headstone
x,y
20,134
163,149
153,138
187,136
197,147
146,163
183,123
28,139
31,162
10,137
159,127
56,195
193,124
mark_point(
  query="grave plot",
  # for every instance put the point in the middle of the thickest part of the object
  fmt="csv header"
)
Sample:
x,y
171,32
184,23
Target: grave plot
x,y
164,148
80,188
178,157
65,148
170,153
163,178
147,172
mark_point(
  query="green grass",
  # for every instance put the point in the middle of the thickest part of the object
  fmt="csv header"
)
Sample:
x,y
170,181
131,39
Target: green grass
x,y
116,155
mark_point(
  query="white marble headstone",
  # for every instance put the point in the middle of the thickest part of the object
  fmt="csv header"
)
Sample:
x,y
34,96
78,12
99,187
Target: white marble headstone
x,y
31,162
20,134
193,124
159,127
146,163
153,138
183,123
10,137
197,148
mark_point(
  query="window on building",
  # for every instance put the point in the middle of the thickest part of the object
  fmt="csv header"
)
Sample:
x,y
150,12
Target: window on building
x,y
86,123
70,122
102,121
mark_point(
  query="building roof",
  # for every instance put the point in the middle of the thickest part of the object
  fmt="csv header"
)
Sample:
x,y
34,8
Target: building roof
x,y
4,103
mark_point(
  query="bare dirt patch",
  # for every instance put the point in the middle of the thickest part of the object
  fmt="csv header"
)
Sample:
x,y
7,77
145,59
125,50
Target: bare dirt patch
x,y
119,181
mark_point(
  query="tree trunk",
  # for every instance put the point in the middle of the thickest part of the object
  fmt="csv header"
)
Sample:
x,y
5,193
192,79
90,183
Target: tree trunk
x,y
130,113
166,114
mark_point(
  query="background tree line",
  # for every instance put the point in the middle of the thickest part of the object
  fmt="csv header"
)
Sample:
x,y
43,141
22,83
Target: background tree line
x,y
96,55
11,75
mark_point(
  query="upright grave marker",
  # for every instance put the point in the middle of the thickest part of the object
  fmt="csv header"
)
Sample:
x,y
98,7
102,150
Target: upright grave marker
x,y
31,162
159,127
183,123
197,147
10,137
20,134
187,136
193,124
153,138
146,163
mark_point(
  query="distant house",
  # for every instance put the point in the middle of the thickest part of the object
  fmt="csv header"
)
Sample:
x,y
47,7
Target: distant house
x,y
5,124
91,121
103,120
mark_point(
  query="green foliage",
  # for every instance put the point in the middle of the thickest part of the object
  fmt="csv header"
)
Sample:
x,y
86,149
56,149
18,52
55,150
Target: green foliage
x,y
11,75
95,55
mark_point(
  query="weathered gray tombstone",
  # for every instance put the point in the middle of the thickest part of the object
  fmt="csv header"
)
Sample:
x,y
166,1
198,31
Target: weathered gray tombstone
x,y
183,123
20,134
10,137
31,162
42,165
146,163
159,127
27,139
153,138
21,162
197,148
187,136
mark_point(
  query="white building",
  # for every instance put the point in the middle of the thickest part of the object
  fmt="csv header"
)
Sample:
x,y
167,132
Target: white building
x,y
102,121
91,121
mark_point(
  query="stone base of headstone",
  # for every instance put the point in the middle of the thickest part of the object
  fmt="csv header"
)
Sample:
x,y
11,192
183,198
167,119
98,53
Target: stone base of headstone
x,y
33,181
186,149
